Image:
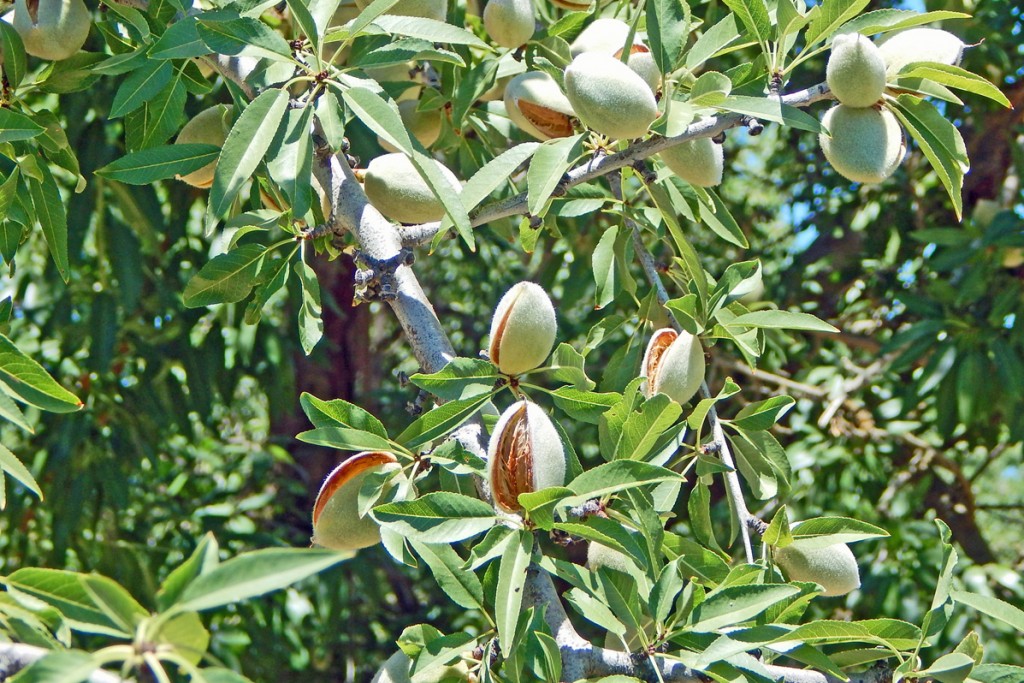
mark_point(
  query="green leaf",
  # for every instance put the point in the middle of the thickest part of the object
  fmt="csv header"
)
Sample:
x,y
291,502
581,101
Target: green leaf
x,y
116,602
340,413
460,378
825,531
26,380
778,533
829,16
141,85
641,430
495,173
884,20
227,278
939,140
891,633
567,365
12,56
345,439
950,668
762,415
585,406
380,116
244,36
428,29
710,89
437,517
60,666
186,635
782,320
65,591
508,598
158,163
955,77
311,325
306,23
736,604
998,673
440,421
620,475
180,41
52,217
668,27
203,560
15,126
9,410
549,164
605,268
771,109
754,15
463,587
246,144
993,607
290,158
253,574
10,464
713,40
721,222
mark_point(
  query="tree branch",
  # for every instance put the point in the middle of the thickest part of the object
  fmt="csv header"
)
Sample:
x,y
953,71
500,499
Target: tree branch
x,y
415,235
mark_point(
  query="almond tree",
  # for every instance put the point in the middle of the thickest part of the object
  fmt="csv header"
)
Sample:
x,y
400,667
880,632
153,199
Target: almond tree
x,y
591,132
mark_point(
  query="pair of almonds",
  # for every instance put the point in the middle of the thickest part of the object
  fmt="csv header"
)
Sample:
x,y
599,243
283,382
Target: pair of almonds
x,y
866,142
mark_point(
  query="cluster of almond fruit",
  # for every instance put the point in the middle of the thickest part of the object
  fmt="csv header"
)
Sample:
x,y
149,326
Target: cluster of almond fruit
x,y
867,143
610,96
525,452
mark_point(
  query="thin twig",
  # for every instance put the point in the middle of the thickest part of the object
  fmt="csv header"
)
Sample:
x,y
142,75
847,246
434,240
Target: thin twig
x,y
415,235
732,477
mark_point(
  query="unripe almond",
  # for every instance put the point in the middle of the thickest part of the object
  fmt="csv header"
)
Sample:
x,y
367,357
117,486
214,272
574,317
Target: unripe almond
x,y
509,23
396,670
406,72
609,97
833,567
524,455
673,365
52,29
602,556
396,189
209,127
866,145
641,61
336,521
536,104
425,126
523,329
921,45
699,161
855,71
604,35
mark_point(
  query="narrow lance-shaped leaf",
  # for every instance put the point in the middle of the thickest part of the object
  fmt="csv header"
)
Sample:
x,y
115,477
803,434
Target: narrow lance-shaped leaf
x,y
26,380
939,140
158,163
245,147
52,217
252,574
438,517
226,278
